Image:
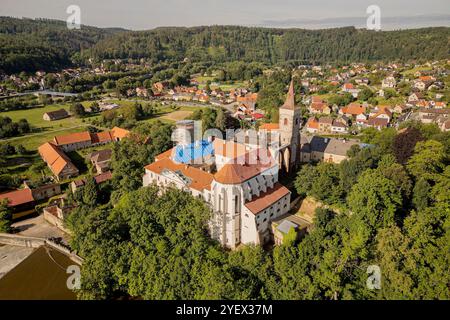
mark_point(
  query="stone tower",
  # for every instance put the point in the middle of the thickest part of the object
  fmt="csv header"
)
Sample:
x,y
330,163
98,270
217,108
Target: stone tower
x,y
289,122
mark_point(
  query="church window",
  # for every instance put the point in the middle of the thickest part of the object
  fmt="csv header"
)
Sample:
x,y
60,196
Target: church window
x,y
285,121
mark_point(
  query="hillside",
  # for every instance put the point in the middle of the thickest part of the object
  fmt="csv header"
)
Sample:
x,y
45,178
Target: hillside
x,y
29,45
227,43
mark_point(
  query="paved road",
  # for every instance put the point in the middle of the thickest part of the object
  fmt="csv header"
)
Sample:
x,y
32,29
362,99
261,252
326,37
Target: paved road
x,y
40,228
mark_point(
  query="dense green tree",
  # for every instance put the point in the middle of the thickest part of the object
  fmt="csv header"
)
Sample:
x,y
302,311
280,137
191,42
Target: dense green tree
x,y
428,160
5,216
375,199
421,194
78,110
405,142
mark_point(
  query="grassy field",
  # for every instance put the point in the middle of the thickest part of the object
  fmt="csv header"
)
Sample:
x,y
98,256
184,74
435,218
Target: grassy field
x,y
33,141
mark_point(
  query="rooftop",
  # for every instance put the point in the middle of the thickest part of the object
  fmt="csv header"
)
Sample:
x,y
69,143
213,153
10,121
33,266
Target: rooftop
x,y
18,197
266,199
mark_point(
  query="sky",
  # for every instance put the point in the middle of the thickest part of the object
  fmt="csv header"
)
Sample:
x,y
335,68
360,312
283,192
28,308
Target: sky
x,y
315,14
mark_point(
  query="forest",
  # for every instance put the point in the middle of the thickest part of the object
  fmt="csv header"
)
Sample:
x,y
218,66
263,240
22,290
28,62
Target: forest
x,y
30,45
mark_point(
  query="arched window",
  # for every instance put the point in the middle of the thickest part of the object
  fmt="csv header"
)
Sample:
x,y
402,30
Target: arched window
x,y
237,205
285,121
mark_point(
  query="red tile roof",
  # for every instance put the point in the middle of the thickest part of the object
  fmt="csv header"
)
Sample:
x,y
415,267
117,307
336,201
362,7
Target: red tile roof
x,y
354,109
73,138
103,177
102,137
119,133
18,197
236,173
268,198
55,158
269,126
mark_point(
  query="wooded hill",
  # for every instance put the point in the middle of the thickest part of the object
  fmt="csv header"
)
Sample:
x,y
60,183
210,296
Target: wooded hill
x,y
28,45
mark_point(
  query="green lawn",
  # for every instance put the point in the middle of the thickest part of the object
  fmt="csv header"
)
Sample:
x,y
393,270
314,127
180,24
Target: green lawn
x,y
33,141
43,131
29,166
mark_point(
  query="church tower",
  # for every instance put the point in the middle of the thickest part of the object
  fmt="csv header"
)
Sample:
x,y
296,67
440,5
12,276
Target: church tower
x,y
289,122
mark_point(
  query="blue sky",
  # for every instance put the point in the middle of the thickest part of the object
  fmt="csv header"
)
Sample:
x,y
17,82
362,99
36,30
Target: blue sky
x,y
147,14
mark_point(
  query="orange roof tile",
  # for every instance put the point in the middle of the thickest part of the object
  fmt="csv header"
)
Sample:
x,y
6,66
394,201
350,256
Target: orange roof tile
x,y
200,179
251,97
164,155
235,173
354,109
268,198
269,126
102,137
348,86
18,197
119,133
73,138
55,158
312,123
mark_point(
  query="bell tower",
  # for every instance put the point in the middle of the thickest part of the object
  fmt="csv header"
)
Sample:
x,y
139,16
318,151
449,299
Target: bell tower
x,y
289,122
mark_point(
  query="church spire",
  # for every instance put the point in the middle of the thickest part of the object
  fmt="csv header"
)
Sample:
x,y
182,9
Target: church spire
x,y
290,98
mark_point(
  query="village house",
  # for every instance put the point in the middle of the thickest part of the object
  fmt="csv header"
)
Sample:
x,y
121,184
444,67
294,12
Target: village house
x,y
100,160
381,112
85,139
339,126
20,201
161,86
423,82
317,149
282,226
350,88
353,110
248,100
44,191
325,124
401,108
389,82
73,141
434,116
415,97
378,123
98,179
55,115
319,108
142,92
312,125
57,161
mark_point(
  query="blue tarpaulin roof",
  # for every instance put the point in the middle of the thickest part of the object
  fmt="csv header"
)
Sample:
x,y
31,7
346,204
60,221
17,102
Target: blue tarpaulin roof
x,y
196,150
